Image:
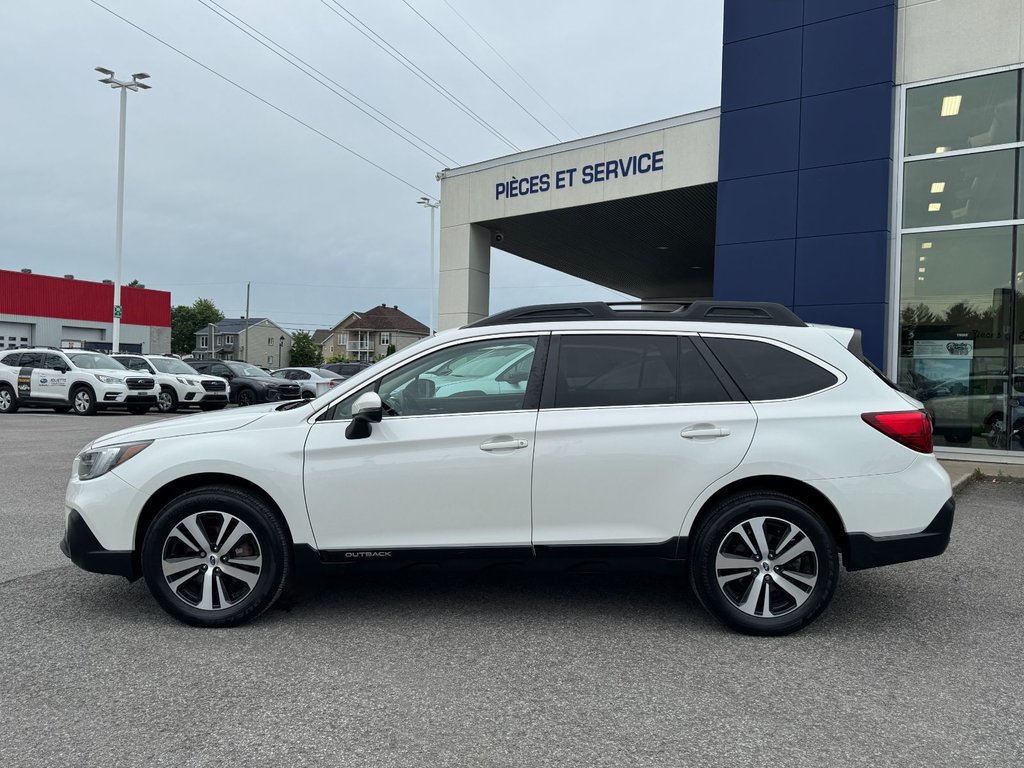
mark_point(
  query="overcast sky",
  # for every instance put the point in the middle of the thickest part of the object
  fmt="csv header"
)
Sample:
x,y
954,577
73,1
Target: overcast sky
x,y
221,188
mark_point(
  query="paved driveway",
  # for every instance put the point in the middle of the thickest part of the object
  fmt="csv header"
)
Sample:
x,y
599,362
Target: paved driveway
x,y
914,665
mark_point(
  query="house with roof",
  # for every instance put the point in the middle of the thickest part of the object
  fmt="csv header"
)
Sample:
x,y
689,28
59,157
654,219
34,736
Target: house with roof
x,y
366,336
255,340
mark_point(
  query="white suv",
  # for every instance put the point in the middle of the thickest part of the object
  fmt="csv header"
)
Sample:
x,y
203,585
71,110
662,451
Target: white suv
x,y
71,379
729,442
180,384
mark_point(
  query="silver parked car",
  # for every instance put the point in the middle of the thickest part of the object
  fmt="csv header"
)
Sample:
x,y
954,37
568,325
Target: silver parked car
x,y
309,379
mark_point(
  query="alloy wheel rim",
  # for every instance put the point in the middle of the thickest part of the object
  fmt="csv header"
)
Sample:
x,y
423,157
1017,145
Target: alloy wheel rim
x,y
766,567
5,400
211,560
82,401
163,401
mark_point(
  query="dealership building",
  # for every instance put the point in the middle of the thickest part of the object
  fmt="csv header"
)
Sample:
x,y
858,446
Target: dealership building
x,y
863,169
40,310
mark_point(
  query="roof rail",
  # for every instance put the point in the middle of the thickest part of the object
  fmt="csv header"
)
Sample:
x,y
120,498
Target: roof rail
x,y
687,310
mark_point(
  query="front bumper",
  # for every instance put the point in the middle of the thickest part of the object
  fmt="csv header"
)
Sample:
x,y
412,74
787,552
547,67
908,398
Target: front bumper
x,y
80,545
867,551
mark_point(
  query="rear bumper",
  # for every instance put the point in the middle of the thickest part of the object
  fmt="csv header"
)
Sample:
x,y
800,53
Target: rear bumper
x,y
867,551
81,547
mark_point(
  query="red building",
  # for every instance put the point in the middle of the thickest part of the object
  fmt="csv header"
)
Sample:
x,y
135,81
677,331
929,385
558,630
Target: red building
x,y
65,312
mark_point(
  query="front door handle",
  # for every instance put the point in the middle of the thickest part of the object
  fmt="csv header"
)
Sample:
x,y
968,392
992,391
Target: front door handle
x,y
704,431
503,444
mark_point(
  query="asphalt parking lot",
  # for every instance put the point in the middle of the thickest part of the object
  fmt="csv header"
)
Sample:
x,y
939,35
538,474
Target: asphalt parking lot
x,y
914,665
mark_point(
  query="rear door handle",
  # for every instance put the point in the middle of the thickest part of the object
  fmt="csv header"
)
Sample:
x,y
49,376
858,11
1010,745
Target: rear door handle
x,y
503,445
702,431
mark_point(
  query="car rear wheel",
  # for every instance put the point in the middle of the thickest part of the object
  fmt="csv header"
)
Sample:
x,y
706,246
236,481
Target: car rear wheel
x,y
8,401
764,564
83,402
167,400
216,557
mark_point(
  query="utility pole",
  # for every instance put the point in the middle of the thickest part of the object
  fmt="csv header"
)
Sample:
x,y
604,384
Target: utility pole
x,y
245,349
433,205
124,86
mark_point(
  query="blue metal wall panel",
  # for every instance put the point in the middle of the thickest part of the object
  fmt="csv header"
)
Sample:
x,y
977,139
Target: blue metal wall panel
x,y
763,140
849,52
751,18
840,269
841,199
822,10
844,127
843,55
762,70
756,271
758,208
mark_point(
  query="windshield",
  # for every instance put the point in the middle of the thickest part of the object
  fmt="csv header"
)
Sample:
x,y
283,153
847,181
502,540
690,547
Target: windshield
x,y
95,361
171,365
241,369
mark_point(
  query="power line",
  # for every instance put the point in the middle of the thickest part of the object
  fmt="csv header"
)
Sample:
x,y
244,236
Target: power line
x,y
359,26
509,65
260,99
480,69
360,106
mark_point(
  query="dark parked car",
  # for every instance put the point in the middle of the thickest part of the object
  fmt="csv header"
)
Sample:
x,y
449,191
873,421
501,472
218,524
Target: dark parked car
x,y
249,384
345,370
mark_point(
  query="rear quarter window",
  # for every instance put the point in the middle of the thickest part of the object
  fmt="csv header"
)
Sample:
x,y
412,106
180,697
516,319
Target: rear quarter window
x,y
764,371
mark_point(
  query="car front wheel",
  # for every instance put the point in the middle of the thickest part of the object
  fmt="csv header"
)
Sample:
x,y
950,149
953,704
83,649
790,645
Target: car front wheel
x,y
764,564
167,400
8,402
246,397
216,557
83,401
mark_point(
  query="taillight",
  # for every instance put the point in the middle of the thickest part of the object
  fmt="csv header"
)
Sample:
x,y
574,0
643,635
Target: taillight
x,y
910,428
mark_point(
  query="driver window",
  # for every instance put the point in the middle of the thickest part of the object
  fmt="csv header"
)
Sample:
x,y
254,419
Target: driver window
x,y
53,362
467,378
481,376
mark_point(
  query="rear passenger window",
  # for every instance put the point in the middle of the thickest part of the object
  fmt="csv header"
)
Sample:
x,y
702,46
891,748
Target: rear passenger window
x,y
31,359
11,360
767,372
596,371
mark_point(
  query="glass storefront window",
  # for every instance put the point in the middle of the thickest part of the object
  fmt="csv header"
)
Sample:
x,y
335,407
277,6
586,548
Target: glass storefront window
x,y
963,114
956,308
959,190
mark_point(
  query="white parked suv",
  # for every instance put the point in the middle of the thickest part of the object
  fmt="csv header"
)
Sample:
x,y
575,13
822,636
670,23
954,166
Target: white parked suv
x,y
728,442
180,384
71,380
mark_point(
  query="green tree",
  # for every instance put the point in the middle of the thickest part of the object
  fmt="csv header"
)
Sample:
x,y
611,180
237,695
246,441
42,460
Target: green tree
x,y
304,352
187,319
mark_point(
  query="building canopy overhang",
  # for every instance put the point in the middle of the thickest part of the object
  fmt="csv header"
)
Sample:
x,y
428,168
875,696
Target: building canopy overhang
x,y
633,210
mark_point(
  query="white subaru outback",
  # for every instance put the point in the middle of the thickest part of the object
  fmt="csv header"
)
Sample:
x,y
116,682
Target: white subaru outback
x,y
728,442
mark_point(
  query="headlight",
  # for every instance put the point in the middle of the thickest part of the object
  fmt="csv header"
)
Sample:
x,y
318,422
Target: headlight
x,y
187,382
109,379
96,463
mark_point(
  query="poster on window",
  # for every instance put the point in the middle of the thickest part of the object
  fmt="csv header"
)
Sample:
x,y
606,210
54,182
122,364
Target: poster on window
x,y
944,349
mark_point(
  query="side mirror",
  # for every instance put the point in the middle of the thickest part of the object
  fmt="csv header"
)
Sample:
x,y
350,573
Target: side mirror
x,y
366,410
61,369
515,377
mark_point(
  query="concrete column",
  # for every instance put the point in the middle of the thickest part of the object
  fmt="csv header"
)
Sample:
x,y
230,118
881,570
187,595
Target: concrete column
x,y
465,275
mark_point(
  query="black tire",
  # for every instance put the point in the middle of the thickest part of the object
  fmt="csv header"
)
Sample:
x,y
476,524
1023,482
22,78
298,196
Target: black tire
x,y
167,400
138,410
210,504
61,408
8,400
246,397
717,535
212,406
83,401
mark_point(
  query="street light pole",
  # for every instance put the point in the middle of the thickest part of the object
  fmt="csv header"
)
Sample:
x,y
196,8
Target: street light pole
x,y
433,205
124,87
